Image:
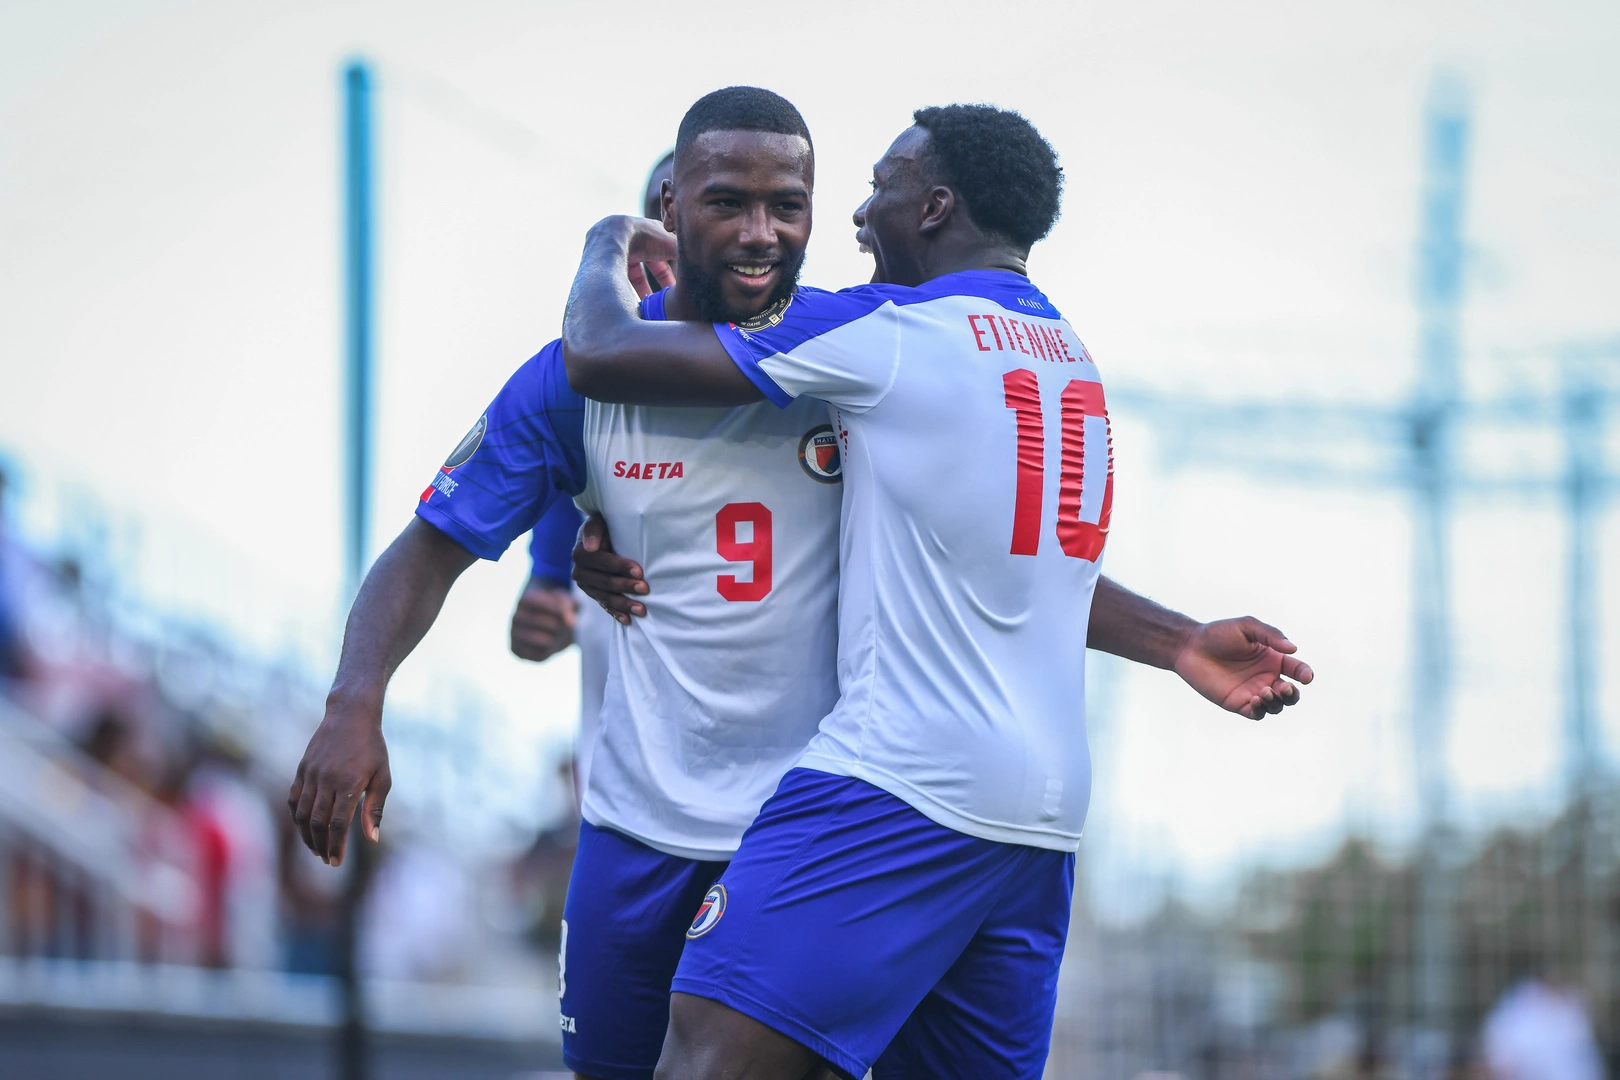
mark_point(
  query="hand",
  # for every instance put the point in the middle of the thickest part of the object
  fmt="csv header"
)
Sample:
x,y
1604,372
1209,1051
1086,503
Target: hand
x,y
650,249
344,766
605,577
543,624
1244,666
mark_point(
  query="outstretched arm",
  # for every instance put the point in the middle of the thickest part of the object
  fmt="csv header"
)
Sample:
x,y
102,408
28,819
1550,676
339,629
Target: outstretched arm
x,y
1242,665
614,355
346,762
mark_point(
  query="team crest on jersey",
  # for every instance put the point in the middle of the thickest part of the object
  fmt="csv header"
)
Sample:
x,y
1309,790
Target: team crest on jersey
x,y
468,446
714,906
818,453
766,319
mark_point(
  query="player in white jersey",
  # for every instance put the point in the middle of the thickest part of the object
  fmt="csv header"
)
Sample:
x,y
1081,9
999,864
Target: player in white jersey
x,y
901,902
733,510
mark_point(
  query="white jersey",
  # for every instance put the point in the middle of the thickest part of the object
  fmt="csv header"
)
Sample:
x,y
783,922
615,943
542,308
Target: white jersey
x,y
592,628
733,515
978,482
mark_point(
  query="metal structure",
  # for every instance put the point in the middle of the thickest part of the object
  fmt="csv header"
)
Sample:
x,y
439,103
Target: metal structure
x,y
1411,446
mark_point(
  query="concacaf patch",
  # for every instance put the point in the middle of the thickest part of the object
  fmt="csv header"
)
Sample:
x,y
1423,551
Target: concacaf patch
x,y
468,446
709,912
462,454
818,453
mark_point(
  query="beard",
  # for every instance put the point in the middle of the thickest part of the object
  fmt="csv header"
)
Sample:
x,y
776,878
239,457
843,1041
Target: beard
x,y
703,290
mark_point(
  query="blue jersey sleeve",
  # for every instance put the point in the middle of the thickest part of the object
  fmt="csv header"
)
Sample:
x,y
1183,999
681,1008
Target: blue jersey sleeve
x,y
551,548
526,452
842,347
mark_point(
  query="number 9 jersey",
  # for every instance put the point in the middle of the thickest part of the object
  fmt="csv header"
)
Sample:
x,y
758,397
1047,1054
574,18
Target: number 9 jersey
x,y
733,515
978,475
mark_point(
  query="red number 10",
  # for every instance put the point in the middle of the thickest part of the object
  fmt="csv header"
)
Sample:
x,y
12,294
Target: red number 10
x,y
1078,539
756,551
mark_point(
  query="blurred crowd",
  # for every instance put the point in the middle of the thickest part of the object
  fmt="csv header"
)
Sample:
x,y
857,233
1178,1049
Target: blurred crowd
x,y
176,754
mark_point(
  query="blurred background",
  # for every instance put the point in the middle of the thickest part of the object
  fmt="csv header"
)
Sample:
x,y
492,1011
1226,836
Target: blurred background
x,y
1350,273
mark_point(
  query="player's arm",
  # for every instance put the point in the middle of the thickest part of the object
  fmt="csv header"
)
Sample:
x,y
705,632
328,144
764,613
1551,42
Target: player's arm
x,y
543,622
522,455
347,760
614,355
1243,665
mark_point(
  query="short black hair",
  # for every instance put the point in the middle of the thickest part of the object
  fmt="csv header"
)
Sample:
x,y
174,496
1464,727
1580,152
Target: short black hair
x,y
999,165
741,108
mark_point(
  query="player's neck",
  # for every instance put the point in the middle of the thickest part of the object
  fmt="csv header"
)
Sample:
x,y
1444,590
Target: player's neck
x,y
952,255
677,308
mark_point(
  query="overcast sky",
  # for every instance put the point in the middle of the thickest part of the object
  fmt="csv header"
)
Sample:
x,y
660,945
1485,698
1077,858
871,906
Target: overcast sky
x,y
1239,221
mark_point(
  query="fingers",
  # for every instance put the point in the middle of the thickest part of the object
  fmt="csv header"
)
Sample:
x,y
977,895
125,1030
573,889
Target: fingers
x,y
663,272
376,796
621,607
345,805
593,534
1266,634
638,280
319,819
306,808
1297,670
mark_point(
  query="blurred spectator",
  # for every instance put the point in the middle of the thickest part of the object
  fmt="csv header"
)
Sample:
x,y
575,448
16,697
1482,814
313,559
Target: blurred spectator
x,y
229,811
1539,1030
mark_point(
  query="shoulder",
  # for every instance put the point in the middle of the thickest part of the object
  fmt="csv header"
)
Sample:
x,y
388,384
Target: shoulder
x,y
811,312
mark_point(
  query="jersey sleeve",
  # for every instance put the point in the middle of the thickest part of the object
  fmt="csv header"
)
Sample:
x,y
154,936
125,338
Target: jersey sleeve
x,y
842,347
524,454
551,547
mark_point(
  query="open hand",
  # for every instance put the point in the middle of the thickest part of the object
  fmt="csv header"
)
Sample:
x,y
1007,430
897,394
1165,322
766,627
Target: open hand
x,y
611,580
1244,666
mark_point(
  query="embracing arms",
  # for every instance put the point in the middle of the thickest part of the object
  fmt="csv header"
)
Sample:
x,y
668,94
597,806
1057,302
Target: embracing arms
x,y
346,762
1242,665
615,355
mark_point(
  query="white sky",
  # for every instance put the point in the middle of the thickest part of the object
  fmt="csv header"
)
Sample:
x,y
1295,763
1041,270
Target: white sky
x,y
1240,215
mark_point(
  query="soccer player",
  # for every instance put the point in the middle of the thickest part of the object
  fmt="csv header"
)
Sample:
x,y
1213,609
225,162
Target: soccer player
x,y
733,511
547,617
902,900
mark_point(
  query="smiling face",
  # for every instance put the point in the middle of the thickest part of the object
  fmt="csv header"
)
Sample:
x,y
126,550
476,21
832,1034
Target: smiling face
x,y
887,223
739,206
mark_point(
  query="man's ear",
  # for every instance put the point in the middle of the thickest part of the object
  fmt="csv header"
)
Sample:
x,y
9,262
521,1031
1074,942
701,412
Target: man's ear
x,y
666,201
937,209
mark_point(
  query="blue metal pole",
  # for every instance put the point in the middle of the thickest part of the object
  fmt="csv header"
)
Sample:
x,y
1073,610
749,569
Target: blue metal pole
x,y
357,263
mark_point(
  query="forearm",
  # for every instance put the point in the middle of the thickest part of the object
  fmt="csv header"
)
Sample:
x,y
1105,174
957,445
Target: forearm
x,y
614,355
1136,628
397,604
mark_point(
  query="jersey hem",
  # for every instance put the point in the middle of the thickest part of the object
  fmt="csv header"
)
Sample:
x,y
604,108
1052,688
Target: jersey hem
x,y
796,1030
679,851
749,366
458,532
940,814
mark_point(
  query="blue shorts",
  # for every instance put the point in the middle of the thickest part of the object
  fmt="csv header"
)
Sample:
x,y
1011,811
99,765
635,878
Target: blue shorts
x,y
624,924
879,939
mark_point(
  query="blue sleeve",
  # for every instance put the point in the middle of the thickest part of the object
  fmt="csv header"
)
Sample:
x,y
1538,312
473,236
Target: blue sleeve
x,y
841,347
523,454
551,548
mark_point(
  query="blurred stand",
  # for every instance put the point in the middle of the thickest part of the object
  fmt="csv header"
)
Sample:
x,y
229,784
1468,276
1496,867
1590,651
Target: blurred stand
x,y
151,880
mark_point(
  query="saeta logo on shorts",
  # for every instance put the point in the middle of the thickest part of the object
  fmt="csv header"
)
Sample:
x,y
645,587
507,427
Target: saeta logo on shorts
x,y
714,906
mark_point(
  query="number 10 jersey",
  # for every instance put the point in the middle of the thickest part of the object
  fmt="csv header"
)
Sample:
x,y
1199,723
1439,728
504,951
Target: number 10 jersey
x,y
733,515
978,480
